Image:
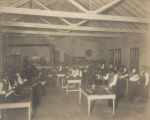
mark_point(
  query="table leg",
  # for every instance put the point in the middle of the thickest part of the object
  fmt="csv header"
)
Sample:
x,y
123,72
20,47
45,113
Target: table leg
x,y
127,86
89,107
80,96
62,84
113,107
29,113
0,114
67,89
57,81
4,115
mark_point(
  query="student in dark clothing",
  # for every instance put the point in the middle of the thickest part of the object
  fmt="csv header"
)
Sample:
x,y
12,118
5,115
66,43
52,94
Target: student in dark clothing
x,y
122,83
144,84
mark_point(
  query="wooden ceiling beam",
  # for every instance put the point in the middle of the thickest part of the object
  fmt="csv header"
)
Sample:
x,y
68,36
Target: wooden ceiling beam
x,y
76,4
40,4
28,45
20,4
75,15
44,20
47,33
9,3
17,3
52,2
46,8
19,18
102,9
108,6
67,27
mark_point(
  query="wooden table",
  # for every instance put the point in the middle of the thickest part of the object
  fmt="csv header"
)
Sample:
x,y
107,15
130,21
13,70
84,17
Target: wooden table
x,y
91,97
74,82
27,105
58,78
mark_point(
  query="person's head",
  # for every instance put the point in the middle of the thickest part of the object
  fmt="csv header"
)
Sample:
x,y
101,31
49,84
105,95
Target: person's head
x,y
143,68
110,66
103,66
134,71
125,70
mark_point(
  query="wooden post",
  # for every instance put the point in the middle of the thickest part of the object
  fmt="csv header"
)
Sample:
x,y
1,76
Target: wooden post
x,y
89,106
1,53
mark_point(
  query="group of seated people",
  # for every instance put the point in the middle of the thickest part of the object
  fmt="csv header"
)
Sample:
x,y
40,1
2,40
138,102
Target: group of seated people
x,y
120,80
134,83
11,85
22,85
15,86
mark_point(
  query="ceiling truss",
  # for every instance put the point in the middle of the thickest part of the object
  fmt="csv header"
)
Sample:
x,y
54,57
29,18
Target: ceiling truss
x,y
85,15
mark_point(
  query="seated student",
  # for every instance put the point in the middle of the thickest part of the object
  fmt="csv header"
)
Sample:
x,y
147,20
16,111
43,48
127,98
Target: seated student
x,y
122,83
103,69
113,80
97,78
2,92
133,85
6,95
112,83
21,88
5,83
144,84
124,73
85,76
76,73
60,68
20,81
105,78
115,68
110,67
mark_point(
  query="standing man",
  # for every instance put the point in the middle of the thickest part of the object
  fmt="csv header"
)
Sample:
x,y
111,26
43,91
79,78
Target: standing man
x,y
144,84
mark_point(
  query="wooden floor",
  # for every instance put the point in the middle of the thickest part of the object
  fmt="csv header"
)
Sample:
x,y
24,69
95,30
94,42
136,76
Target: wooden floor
x,y
55,105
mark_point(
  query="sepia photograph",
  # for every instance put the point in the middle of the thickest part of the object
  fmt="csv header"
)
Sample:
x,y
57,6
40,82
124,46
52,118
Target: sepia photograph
x,y
74,59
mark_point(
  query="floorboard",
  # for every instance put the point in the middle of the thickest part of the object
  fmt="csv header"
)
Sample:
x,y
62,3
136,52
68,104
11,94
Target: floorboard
x,y
55,105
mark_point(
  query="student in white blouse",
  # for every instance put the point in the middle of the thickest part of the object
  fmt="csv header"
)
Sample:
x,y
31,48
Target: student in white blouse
x,y
76,72
133,85
113,86
2,92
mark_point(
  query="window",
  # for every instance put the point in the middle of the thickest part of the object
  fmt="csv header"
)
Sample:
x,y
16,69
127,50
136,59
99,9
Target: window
x,y
134,58
100,54
115,56
111,56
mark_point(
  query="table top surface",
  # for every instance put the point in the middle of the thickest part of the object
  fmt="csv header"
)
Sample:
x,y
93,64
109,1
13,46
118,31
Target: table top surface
x,y
60,74
15,105
99,91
